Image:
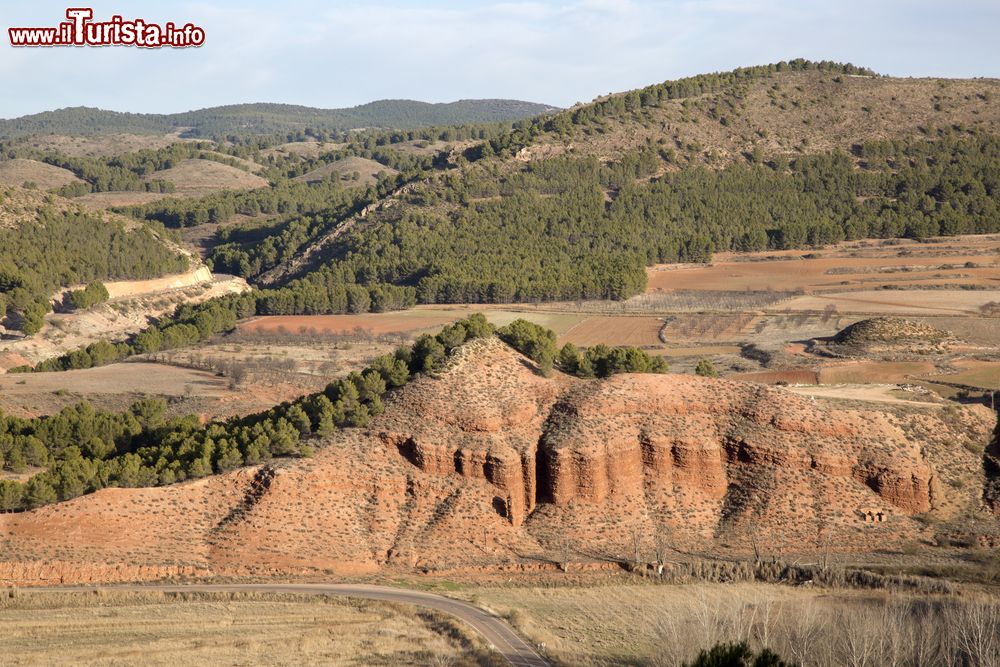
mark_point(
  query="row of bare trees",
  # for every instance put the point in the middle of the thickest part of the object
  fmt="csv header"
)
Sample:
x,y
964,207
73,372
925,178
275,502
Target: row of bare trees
x,y
835,630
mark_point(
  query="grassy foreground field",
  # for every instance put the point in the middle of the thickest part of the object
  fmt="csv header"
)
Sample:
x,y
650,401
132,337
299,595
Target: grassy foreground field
x,y
223,629
665,626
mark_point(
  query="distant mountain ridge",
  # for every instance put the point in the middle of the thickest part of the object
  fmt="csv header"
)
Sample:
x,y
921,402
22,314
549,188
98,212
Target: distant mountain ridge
x,y
268,118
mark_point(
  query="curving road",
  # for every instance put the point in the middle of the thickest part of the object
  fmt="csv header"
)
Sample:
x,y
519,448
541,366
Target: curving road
x,y
497,633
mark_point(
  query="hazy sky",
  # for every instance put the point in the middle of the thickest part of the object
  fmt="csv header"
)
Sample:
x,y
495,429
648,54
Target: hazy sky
x,y
336,54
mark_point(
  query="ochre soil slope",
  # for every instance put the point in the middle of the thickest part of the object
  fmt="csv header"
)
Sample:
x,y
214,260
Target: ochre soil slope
x,y
490,465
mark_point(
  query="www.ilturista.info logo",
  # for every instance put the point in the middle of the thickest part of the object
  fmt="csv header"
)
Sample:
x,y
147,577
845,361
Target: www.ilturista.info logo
x,y
81,30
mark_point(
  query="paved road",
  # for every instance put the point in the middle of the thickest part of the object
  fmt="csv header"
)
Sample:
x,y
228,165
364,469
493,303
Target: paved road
x,y
500,635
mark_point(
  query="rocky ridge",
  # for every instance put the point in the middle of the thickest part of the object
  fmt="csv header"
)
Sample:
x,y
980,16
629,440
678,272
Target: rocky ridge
x,y
491,466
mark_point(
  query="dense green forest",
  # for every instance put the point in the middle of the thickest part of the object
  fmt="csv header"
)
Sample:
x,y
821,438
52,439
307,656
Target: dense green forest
x,y
549,231
84,449
65,248
500,230
267,119
568,228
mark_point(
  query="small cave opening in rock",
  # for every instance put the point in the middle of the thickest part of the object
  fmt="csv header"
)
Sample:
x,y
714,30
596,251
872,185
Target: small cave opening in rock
x,y
501,508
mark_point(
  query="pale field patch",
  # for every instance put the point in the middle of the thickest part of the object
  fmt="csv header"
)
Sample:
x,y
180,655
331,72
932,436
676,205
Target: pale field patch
x,y
208,629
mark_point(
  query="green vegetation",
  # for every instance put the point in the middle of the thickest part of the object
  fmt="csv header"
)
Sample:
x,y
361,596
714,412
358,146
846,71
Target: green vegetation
x,y
539,344
84,450
267,119
70,247
737,655
706,368
603,361
546,230
94,293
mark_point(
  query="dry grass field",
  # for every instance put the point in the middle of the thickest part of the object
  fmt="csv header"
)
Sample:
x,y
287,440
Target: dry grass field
x,y
874,372
697,351
199,177
303,148
116,628
975,330
98,201
666,625
19,172
973,372
344,169
708,327
309,361
787,376
103,145
848,266
373,323
201,390
130,378
901,302
416,320
636,331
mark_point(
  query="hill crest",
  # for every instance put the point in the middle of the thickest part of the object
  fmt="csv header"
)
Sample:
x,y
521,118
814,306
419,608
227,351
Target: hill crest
x,y
272,118
492,466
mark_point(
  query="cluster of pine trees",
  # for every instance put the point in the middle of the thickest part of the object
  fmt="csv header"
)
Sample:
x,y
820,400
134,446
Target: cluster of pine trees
x,y
283,198
83,449
193,323
70,247
539,344
94,293
548,231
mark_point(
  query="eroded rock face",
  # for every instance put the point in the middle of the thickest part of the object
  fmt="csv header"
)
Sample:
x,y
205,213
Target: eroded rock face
x,y
678,444
492,466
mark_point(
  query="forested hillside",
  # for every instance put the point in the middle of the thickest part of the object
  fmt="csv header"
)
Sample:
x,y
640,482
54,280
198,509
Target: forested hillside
x,y
575,206
267,119
46,244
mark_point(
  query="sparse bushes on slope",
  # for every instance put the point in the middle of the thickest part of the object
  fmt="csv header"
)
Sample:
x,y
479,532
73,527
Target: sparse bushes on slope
x,y
193,323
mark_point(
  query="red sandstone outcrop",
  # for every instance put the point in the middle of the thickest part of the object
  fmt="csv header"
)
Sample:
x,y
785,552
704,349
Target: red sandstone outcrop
x,y
491,465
